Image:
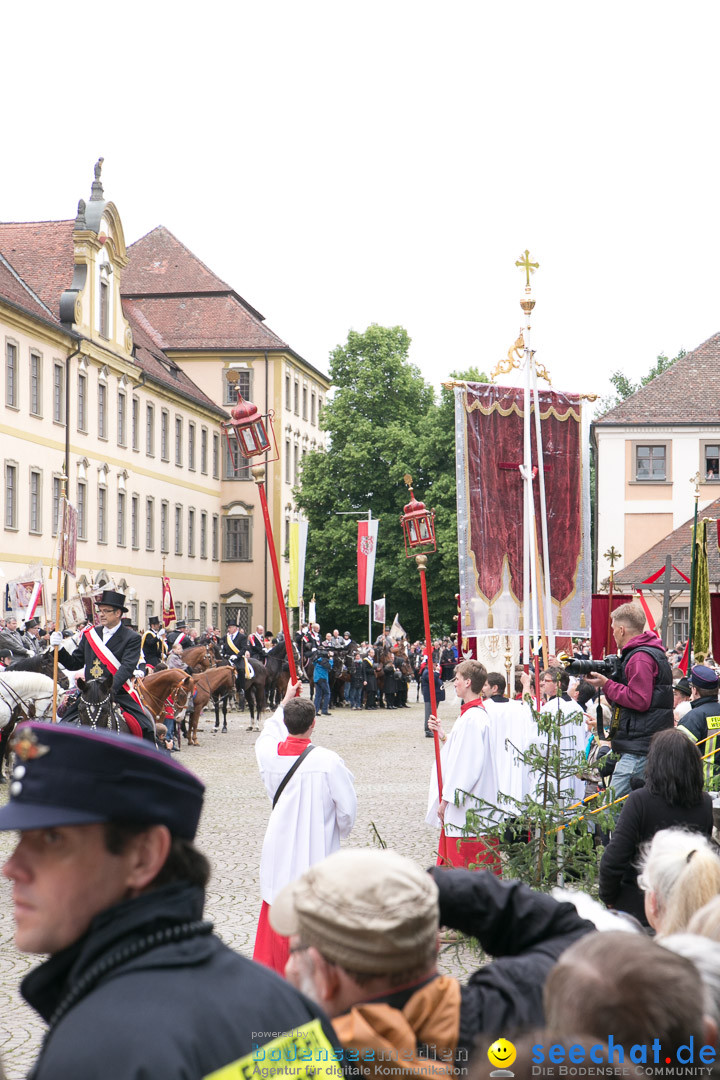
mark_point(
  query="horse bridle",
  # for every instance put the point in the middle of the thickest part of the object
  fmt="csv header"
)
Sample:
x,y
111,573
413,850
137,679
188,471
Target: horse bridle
x,y
94,711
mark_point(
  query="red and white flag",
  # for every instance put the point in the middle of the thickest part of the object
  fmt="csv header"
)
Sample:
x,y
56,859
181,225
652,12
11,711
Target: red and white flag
x,y
168,607
366,548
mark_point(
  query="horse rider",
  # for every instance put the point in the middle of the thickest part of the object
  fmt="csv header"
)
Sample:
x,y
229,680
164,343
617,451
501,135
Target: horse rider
x,y
31,637
256,645
153,649
234,648
12,639
108,883
109,648
179,634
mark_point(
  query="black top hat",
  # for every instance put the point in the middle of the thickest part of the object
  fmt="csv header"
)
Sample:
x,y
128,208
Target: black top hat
x,y
76,776
180,625
31,624
154,620
110,598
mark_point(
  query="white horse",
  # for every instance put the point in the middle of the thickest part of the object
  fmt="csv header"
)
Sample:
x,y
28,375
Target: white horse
x,y
24,687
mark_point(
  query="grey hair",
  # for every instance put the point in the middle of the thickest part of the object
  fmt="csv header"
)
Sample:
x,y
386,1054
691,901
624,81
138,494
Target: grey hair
x,y
705,955
683,872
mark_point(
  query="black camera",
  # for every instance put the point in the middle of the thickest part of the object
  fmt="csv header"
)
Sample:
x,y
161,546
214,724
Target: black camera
x,y
611,666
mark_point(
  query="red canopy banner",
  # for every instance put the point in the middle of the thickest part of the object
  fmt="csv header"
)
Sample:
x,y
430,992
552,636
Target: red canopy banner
x,y
489,441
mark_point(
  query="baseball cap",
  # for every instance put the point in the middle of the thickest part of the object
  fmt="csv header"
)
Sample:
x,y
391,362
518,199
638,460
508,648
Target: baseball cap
x,y
76,776
368,911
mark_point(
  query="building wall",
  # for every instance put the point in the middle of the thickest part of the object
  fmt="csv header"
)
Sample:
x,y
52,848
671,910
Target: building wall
x,y
634,515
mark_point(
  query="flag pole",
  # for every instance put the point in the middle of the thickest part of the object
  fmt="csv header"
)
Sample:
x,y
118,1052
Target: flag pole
x,y
696,481
63,540
370,600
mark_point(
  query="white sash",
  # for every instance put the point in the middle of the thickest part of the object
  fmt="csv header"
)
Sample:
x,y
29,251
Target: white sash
x,y
109,659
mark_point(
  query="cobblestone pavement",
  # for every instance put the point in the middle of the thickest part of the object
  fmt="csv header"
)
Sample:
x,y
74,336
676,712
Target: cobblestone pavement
x,y
390,759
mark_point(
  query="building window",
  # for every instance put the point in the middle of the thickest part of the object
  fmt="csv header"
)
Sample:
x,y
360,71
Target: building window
x,y
320,405
122,418
215,543
304,400
288,393
82,510
191,533
102,515
236,541
236,466
681,624
710,464
651,462
82,402
102,410
165,435
203,450
216,456
149,524
35,384
191,446
150,430
190,613
178,440
164,526
56,488
149,611
35,501
11,496
297,398
242,386
312,407
296,459
203,618
203,535
178,610
178,530
104,308
58,393
11,375
216,615
121,519
135,521
288,462
135,424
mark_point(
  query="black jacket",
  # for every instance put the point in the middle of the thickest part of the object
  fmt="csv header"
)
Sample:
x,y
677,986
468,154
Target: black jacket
x,y
631,731
643,814
125,647
180,1009
525,931
153,648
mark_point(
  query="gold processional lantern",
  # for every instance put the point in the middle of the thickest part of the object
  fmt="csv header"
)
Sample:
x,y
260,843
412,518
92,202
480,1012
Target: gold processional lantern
x,y
246,430
418,525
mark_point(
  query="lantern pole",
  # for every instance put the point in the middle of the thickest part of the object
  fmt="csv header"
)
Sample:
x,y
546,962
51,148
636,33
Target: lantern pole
x,y
258,472
421,561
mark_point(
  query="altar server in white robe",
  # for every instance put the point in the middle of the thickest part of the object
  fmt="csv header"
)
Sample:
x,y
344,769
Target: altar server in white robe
x,y
468,768
554,684
314,811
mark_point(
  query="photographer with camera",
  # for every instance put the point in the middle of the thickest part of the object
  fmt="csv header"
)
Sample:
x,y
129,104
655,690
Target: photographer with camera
x,y
321,679
640,693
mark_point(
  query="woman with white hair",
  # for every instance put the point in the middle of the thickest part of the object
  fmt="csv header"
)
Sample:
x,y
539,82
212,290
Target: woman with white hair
x,y
679,873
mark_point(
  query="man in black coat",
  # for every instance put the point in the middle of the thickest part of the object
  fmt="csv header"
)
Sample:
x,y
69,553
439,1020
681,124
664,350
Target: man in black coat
x,y
153,648
113,648
108,883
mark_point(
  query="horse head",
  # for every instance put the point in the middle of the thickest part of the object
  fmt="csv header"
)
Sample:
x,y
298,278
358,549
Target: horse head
x,y
96,708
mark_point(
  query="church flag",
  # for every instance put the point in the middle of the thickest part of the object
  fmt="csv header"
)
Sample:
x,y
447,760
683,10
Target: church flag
x,y
297,550
379,611
490,500
312,611
168,607
396,630
366,548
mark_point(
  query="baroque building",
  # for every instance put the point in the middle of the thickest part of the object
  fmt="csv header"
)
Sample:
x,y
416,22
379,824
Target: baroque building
x,y
119,365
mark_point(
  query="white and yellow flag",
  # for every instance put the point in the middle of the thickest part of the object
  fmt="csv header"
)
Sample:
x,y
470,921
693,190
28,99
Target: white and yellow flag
x,y
298,548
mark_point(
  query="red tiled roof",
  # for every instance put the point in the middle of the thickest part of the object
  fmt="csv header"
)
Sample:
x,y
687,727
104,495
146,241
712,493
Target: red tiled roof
x,y
160,264
203,322
42,253
15,291
678,545
152,360
687,392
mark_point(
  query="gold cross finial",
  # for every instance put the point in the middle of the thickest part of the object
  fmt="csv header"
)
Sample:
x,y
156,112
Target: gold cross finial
x,y
612,556
527,266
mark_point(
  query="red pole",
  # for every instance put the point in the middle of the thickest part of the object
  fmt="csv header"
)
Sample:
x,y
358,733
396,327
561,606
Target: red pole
x,y
259,476
421,561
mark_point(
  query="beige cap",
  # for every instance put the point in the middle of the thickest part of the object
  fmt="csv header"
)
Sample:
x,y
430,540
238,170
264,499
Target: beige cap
x,y
369,911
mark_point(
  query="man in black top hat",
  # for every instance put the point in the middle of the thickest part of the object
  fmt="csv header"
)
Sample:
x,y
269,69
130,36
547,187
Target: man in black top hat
x,y
111,647
107,881
179,634
153,647
31,639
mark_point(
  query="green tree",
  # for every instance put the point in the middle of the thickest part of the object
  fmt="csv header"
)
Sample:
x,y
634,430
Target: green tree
x,y
382,422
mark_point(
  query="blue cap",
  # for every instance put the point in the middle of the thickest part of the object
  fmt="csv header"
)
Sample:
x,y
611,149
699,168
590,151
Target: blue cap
x,y
76,776
705,678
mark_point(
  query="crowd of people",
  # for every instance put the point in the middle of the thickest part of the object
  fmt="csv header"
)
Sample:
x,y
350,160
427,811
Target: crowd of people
x,y
109,885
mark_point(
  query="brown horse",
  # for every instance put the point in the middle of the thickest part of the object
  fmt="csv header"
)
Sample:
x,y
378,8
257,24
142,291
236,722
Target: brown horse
x,y
218,683
199,657
171,683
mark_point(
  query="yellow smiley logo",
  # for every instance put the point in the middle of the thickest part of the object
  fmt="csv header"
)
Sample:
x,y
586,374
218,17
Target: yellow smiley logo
x,y
502,1053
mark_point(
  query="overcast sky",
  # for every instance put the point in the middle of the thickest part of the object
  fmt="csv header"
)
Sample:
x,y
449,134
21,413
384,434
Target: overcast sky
x,y
342,163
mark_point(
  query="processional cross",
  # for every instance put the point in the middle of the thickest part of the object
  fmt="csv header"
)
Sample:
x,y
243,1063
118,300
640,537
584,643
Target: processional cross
x,y
527,266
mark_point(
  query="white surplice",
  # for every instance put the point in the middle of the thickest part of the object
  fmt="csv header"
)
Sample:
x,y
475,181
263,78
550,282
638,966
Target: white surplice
x,y
512,730
313,814
468,765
